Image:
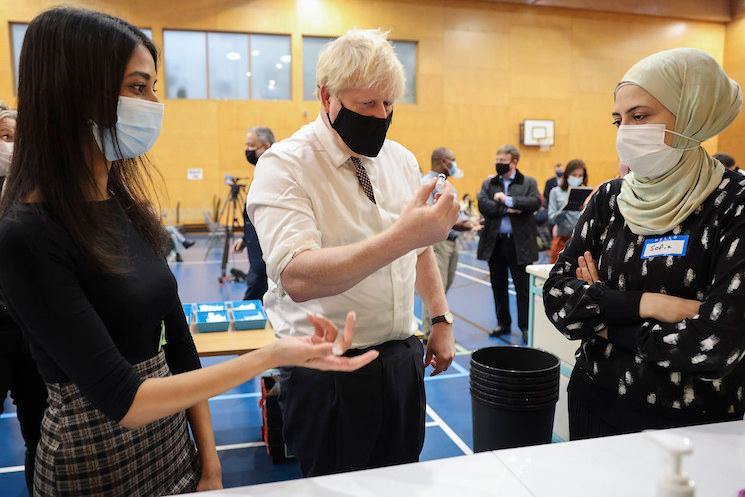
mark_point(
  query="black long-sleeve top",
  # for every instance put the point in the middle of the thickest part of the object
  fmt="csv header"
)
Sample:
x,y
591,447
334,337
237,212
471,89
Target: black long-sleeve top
x,y
84,326
695,365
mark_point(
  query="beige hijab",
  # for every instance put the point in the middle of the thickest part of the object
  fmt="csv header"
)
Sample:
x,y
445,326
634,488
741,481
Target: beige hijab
x,y
691,85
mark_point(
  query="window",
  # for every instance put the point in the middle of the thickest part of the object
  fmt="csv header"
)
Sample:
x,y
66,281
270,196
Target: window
x,y
185,60
406,51
228,65
270,67
312,46
239,66
17,33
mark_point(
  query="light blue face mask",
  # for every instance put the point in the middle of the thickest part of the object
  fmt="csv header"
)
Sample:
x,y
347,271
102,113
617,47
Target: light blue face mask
x,y
574,181
138,124
454,172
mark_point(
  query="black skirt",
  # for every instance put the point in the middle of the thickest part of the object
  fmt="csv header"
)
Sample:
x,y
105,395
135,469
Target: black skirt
x,y
82,452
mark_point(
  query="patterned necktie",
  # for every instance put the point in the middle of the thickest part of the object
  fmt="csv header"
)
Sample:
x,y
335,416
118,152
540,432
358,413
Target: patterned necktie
x,y
364,179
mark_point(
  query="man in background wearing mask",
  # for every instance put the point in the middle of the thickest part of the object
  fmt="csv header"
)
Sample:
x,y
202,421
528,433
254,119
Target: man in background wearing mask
x,y
508,241
446,251
258,141
552,182
346,226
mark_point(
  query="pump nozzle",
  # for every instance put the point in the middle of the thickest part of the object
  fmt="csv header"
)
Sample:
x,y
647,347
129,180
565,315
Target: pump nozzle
x,y
675,482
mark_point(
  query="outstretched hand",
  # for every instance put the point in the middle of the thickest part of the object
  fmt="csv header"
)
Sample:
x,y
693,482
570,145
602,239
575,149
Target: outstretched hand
x,y
323,350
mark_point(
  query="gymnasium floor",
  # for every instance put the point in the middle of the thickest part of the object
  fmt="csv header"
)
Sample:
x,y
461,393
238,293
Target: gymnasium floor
x,y
236,414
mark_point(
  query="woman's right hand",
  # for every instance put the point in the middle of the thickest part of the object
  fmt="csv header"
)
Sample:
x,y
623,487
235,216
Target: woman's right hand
x,y
666,308
321,350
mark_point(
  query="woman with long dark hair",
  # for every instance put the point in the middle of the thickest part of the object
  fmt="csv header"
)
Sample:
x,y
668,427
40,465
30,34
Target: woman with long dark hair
x,y
83,274
651,282
563,222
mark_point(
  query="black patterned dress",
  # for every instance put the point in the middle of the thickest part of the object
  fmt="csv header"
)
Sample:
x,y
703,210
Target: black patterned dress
x,y
650,374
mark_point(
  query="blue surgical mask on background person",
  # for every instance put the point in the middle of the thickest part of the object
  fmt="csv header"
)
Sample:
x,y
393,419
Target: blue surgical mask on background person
x,y
6,154
454,171
138,124
575,181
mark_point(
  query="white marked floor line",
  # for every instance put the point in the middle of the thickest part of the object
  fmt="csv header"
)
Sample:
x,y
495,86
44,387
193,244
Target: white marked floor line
x,y
449,431
482,282
12,469
247,445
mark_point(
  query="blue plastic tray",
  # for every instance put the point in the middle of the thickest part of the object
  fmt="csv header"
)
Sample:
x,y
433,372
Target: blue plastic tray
x,y
204,327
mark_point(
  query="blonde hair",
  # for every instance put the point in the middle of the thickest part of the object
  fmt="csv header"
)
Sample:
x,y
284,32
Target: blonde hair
x,y
362,58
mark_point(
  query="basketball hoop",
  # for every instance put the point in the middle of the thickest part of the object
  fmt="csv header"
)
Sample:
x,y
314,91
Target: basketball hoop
x,y
544,144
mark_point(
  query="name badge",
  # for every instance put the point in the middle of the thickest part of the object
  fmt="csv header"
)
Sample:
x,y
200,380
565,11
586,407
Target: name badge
x,y
665,247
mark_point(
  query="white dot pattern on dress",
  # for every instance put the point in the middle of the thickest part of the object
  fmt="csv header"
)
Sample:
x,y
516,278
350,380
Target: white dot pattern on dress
x,y
665,364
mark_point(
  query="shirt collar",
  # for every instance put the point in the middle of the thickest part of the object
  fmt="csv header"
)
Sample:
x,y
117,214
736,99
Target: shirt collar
x,y
326,136
511,178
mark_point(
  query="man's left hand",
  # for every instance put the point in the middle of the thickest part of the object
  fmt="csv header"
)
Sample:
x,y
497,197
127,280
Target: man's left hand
x,y
440,348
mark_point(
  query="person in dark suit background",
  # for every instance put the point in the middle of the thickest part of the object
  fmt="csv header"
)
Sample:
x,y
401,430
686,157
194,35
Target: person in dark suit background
x,y
508,240
258,141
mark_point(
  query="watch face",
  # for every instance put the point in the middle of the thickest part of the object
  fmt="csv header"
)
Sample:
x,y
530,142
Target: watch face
x,y
449,317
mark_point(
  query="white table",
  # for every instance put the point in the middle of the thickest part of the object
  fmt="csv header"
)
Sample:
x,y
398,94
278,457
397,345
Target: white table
x,y
629,465
478,475
623,466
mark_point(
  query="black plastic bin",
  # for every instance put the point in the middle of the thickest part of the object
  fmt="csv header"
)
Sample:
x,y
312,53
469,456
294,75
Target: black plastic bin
x,y
514,391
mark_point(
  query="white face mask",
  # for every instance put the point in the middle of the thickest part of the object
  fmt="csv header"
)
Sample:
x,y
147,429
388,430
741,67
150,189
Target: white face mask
x,y
574,181
642,147
137,127
6,154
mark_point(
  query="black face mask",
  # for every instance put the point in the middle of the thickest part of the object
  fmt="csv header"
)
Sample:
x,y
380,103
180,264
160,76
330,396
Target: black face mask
x,y
364,135
502,168
251,157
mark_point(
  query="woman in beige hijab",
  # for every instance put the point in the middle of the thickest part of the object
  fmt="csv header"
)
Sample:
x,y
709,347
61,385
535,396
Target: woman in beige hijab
x,y
652,280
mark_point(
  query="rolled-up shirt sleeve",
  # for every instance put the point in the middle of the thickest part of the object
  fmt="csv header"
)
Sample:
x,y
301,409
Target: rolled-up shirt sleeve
x,y
282,214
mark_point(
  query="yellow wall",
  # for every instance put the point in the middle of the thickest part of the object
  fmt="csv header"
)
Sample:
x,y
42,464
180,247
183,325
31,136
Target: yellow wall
x,y
483,68
732,141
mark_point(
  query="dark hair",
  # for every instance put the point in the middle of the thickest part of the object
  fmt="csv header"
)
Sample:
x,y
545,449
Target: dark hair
x,y
727,160
572,166
71,69
438,154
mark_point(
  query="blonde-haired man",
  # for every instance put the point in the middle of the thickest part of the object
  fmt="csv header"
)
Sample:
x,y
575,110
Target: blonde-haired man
x,y
345,226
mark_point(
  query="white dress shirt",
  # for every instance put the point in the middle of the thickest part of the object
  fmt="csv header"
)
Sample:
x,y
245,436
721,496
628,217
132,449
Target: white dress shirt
x,y
304,196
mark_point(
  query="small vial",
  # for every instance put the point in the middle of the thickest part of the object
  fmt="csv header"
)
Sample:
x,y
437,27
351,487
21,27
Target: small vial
x,y
441,178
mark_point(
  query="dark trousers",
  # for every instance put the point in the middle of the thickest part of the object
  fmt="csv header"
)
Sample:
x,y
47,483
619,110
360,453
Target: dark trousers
x,y
256,281
18,375
504,258
596,412
372,417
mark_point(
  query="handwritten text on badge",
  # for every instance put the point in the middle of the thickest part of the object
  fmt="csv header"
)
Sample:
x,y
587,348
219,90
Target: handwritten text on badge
x,y
664,247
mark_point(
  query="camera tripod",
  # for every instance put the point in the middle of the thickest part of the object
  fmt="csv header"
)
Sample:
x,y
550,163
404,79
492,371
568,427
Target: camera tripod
x,y
232,209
